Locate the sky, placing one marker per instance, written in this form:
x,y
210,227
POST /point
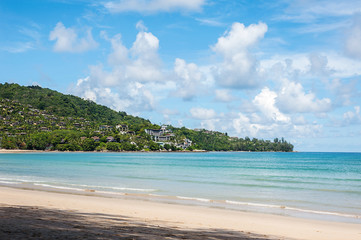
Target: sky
x,y
262,69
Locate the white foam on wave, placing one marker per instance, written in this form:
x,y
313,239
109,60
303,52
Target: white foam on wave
x,y
194,199
19,180
253,204
7,182
293,209
116,188
58,187
112,193
132,189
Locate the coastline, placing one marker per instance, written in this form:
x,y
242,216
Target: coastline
x,y
174,217
19,151
56,151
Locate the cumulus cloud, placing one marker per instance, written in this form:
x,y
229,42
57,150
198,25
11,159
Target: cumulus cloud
x,y
202,113
152,6
145,63
188,79
352,117
129,83
88,89
319,64
293,99
239,66
211,124
265,102
132,96
139,63
67,40
119,55
243,125
353,39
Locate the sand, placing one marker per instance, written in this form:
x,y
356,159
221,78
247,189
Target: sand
x,y
17,151
47,215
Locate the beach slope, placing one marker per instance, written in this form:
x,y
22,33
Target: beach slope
x,y
47,215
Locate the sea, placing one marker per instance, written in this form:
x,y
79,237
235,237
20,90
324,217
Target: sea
x,y
324,186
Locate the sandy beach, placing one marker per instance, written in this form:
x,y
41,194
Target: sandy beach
x,y
48,215
17,151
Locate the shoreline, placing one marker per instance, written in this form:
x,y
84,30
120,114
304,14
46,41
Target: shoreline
x,y
194,151
182,216
134,194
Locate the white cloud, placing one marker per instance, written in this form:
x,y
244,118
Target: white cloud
x,y
352,117
188,79
319,64
133,82
210,124
210,22
168,114
139,63
239,66
322,27
102,95
119,55
337,66
353,39
265,102
243,125
145,64
310,11
140,26
223,95
151,6
293,99
346,92
67,40
202,113
31,39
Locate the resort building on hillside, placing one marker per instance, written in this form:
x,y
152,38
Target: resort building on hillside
x,y
162,134
123,129
187,143
105,127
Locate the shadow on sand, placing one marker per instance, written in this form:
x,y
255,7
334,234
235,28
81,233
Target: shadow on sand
x,y
41,223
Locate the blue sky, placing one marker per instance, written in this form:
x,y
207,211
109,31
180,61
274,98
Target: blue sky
x,y
261,69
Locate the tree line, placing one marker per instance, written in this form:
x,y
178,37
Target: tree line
x,y
42,119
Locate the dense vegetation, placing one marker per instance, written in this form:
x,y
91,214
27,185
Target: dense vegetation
x,y
39,118
217,141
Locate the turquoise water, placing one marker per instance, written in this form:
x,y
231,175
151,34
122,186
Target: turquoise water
x,y
316,185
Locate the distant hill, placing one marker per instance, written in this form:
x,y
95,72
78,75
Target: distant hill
x,y
69,106
40,118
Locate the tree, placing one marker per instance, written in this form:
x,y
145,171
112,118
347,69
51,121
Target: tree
x,y
113,146
89,144
153,146
167,146
39,141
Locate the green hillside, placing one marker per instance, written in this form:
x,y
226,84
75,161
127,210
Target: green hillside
x,y
39,118
66,105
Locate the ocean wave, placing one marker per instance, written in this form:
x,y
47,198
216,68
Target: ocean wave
x,y
7,182
58,187
293,209
116,188
194,199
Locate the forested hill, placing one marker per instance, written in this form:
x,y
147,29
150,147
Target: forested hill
x,y
68,105
39,118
